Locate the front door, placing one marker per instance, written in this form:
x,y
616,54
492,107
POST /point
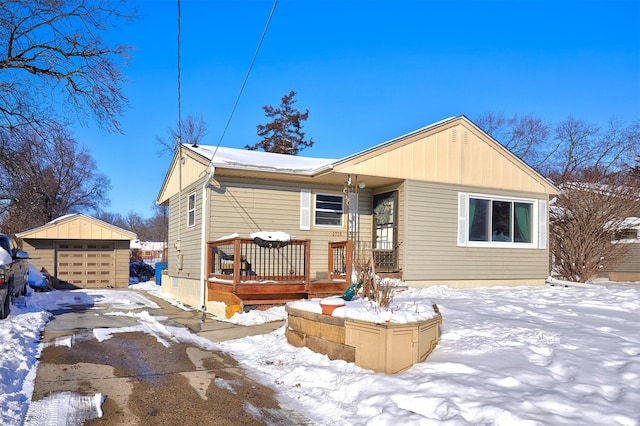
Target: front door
x,y
385,233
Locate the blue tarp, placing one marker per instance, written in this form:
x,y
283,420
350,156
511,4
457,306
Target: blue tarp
x,y
36,278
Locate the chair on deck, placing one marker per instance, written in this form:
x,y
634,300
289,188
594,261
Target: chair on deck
x,y
226,263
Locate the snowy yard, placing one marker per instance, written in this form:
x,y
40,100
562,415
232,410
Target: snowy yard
x,y
524,355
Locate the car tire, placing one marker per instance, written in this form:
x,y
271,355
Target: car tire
x,y
12,295
6,307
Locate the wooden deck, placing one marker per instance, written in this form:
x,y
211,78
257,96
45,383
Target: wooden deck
x,y
273,294
273,273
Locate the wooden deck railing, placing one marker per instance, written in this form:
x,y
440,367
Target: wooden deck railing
x,y
241,260
340,260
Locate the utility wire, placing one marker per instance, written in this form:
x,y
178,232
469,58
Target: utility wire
x,y
179,89
246,77
179,143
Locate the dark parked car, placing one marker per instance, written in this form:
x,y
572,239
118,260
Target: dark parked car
x,y
14,272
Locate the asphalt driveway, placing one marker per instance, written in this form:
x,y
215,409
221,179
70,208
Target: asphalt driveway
x,y
146,382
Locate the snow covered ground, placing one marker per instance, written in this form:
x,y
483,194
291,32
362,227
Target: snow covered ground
x,y
524,355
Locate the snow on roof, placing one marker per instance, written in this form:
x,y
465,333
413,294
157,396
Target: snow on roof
x,y
235,158
147,245
630,222
243,159
63,217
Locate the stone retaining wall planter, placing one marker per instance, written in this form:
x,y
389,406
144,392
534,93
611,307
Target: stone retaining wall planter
x,y
388,348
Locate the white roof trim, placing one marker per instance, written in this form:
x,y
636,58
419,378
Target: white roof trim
x,y
242,159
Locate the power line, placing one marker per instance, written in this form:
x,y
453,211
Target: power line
x,y
179,145
179,91
246,77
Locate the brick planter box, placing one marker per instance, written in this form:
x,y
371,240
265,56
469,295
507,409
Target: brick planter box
x,y
387,348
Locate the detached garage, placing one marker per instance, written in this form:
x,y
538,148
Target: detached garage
x,y
81,250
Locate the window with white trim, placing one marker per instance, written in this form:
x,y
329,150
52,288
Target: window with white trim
x,y
485,220
626,235
191,209
329,209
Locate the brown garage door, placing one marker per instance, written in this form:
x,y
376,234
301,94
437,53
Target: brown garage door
x,y
86,264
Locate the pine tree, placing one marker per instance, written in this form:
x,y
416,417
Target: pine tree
x,y
284,134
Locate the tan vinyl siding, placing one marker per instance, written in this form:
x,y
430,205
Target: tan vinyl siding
x,y
172,235
190,236
631,263
430,241
122,258
457,153
182,175
244,207
42,254
628,268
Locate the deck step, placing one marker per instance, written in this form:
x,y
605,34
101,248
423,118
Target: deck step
x,y
272,294
323,294
322,286
260,299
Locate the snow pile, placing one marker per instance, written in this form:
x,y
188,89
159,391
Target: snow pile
x,y
255,317
36,278
65,409
19,352
524,355
271,236
404,309
5,257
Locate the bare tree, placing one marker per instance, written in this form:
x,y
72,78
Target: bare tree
x,y
591,166
525,135
46,179
55,60
494,124
151,229
136,223
574,149
284,134
157,225
112,218
586,220
560,152
190,132
622,143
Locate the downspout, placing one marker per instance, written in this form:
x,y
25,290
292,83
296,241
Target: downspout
x,y
203,242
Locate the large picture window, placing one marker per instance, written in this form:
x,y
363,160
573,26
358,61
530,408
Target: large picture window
x,y
191,209
489,220
329,209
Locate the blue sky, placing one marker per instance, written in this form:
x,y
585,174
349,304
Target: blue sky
x,y
367,70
